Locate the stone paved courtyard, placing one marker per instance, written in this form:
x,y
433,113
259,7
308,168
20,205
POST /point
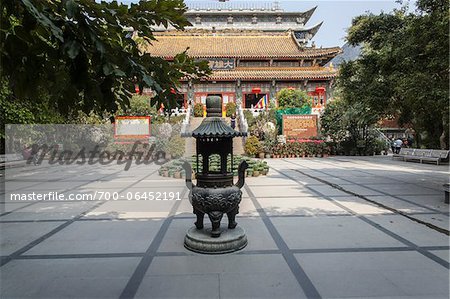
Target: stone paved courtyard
x,y
320,227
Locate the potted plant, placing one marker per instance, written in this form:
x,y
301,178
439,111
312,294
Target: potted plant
x,y
269,146
252,146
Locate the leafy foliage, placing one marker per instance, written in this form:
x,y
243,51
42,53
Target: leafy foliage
x,y
404,68
82,55
331,122
293,98
198,110
350,124
17,112
230,109
139,106
252,146
176,146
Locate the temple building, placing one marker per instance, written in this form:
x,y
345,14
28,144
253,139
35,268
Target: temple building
x,y
253,53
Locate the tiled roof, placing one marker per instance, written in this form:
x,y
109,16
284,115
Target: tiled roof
x,y
273,73
257,46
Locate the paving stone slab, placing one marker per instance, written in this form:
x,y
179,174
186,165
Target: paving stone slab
x,y
132,209
432,201
375,274
14,236
401,205
305,206
260,285
331,232
269,180
395,188
50,211
83,237
443,254
9,206
361,206
180,286
262,191
218,264
67,278
328,191
360,190
414,232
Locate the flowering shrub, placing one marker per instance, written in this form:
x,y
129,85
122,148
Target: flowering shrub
x,y
301,148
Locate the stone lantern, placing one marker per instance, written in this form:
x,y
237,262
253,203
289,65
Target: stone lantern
x,y
215,194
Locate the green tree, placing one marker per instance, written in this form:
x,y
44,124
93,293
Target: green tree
x,y
85,55
293,98
351,124
331,123
404,68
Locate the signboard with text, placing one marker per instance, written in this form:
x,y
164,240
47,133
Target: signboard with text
x,y
221,63
301,126
132,127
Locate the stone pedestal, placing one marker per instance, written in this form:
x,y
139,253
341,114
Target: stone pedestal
x,y
200,241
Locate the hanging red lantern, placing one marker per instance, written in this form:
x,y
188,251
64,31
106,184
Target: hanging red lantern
x,y
256,90
172,90
136,88
320,89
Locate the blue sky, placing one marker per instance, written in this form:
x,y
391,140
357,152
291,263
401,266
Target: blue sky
x,y
337,15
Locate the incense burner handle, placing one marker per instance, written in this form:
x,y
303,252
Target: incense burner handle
x,y
241,174
188,169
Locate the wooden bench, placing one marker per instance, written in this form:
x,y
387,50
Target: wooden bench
x,y
446,192
415,154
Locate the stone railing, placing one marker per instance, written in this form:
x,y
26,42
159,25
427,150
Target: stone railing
x,y
179,111
243,125
186,120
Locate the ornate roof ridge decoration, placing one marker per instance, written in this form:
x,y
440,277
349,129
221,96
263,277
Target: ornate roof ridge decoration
x,y
227,32
215,127
306,14
204,32
306,34
280,68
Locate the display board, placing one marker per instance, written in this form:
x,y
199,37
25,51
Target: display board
x,y
132,127
299,125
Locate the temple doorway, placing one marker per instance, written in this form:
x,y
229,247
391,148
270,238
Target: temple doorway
x,y
252,100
